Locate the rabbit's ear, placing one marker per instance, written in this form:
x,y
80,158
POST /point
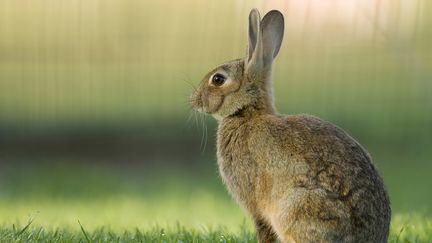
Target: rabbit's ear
x,y
254,33
272,34
265,38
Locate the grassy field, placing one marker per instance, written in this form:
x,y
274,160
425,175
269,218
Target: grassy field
x,y
404,229
63,202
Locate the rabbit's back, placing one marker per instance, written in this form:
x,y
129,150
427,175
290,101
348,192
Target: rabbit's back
x,y
315,164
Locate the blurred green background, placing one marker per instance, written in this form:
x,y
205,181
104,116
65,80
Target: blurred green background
x,y
94,117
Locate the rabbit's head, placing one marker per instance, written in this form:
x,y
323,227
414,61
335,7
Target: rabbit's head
x,y
244,85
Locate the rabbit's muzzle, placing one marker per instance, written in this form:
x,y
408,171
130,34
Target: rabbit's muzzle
x,y
195,101
205,101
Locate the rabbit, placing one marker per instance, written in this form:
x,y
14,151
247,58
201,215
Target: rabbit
x,y
300,178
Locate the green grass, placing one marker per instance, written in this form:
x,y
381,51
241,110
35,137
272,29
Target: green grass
x,y
155,234
51,202
57,195
404,228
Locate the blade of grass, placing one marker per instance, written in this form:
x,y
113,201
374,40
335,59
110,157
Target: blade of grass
x,y
84,232
25,228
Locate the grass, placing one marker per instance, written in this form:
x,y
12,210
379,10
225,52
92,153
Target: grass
x,y
404,228
60,195
155,234
52,202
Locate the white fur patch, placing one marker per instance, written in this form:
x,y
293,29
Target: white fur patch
x,y
217,116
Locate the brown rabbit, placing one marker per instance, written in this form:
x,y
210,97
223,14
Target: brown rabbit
x,y
300,178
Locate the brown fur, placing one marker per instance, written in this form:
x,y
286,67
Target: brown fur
x,y
301,179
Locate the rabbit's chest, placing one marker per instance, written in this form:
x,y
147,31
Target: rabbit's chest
x,y
237,168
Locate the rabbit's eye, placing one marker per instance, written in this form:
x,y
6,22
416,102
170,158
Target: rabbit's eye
x,y
218,79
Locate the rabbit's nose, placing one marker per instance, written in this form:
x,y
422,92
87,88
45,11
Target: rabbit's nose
x,y
196,101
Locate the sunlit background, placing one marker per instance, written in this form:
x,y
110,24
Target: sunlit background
x,y
94,117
